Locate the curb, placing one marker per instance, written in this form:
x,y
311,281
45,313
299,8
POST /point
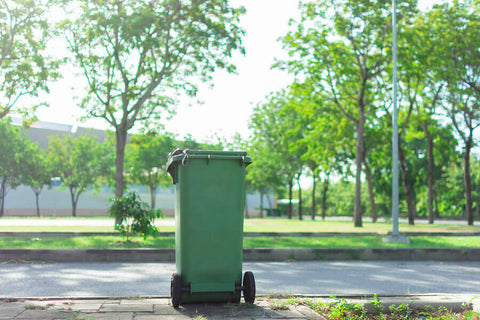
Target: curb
x,y
273,255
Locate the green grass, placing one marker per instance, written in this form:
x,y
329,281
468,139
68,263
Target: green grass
x,y
251,225
47,228
295,225
255,225
110,242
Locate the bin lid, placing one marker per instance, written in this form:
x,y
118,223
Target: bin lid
x,y
179,155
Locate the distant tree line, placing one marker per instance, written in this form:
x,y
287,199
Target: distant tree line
x,y
82,162
335,119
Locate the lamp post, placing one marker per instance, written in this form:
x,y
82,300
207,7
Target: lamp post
x,y
395,235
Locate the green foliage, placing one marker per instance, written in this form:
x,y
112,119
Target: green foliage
x,y
36,170
277,127
80,162
15,148
146,158
342,309
132,216
377,303
25,68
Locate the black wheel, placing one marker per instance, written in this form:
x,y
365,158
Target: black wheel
x,y
249,287
176,290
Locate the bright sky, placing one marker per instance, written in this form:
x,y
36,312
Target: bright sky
x,y
227,107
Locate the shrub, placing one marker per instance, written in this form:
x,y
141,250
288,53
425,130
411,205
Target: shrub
x,y
132,216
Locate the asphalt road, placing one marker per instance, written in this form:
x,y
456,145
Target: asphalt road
x,y
324,278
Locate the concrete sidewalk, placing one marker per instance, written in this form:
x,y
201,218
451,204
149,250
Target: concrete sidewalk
x,y
265,307
263,254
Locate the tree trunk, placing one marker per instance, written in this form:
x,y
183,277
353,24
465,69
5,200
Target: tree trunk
x,y
467,181
435,199
290,207
300,213
121,138
371,194
431,170
324,195
37,203
313,212
412,210
3,191
74,202
153,191
357,213
261,204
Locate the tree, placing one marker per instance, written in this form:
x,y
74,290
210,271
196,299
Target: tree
x,y
79,162
456,27
135,55
326,135
277,125
12,144
24,66
36,172
148,156
344,55
262,175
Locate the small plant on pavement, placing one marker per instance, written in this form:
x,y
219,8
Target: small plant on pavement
x,y
132,216
377,304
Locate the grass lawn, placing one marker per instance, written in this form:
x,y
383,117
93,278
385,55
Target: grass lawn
x,y
250,225
110,242
295,225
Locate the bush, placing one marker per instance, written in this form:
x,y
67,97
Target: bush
x,y
132,216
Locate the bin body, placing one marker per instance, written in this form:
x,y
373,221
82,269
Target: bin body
x,y
209,206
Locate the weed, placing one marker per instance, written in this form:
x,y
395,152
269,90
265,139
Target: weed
x,y
341,309
377,304
77,316
402,309
279,296
31,306
279,306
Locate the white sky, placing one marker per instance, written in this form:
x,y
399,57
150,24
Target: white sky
x,y
227,107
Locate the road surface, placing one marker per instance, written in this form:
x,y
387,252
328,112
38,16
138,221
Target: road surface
x,y
324,278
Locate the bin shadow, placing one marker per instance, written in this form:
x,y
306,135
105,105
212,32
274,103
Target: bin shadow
x,y
227,311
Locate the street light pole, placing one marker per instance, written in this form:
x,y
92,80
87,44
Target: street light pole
x,y
395,196
395,236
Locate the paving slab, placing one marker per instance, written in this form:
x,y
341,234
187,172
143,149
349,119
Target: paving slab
x,y
265,307
43,315
118,307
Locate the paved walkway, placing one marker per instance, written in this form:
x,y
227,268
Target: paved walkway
x,y
145,308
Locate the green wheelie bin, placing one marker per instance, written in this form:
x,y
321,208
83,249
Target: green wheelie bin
x,y
209,206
